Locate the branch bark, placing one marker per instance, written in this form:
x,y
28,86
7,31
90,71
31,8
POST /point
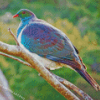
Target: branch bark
x,y
61,80
18,51
73,87
14,58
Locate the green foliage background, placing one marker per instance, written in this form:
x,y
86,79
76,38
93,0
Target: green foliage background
x,y
79,20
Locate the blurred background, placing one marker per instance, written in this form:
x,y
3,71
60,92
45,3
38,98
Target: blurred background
x,y
78,19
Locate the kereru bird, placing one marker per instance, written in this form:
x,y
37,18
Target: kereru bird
x,y
49,44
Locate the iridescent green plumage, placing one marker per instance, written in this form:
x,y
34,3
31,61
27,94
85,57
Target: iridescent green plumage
x,y
25,14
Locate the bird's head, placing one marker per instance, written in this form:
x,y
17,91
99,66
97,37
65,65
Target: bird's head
x,y
24,14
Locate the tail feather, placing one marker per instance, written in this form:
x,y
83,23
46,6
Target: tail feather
x,y
89,79
81,69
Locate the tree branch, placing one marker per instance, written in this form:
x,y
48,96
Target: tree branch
x,y
15,51
13,36
14,58
73,87
61,80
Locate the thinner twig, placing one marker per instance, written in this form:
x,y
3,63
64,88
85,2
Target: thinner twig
x,y
14,58
13,36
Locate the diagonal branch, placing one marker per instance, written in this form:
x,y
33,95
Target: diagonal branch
x,y
61,80
73,87
15,51
14,58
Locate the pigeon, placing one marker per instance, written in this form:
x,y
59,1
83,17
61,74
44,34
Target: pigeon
x,y
49,45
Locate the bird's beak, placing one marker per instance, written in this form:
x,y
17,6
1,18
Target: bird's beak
x,y
16,15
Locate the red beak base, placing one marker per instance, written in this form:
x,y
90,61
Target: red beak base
x,y
16,15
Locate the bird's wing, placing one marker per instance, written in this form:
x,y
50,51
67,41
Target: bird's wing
x,y
47,41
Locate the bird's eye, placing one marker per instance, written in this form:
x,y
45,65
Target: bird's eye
x,y
23,12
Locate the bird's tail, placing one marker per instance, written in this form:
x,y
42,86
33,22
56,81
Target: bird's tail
x,y
81,69
89,79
